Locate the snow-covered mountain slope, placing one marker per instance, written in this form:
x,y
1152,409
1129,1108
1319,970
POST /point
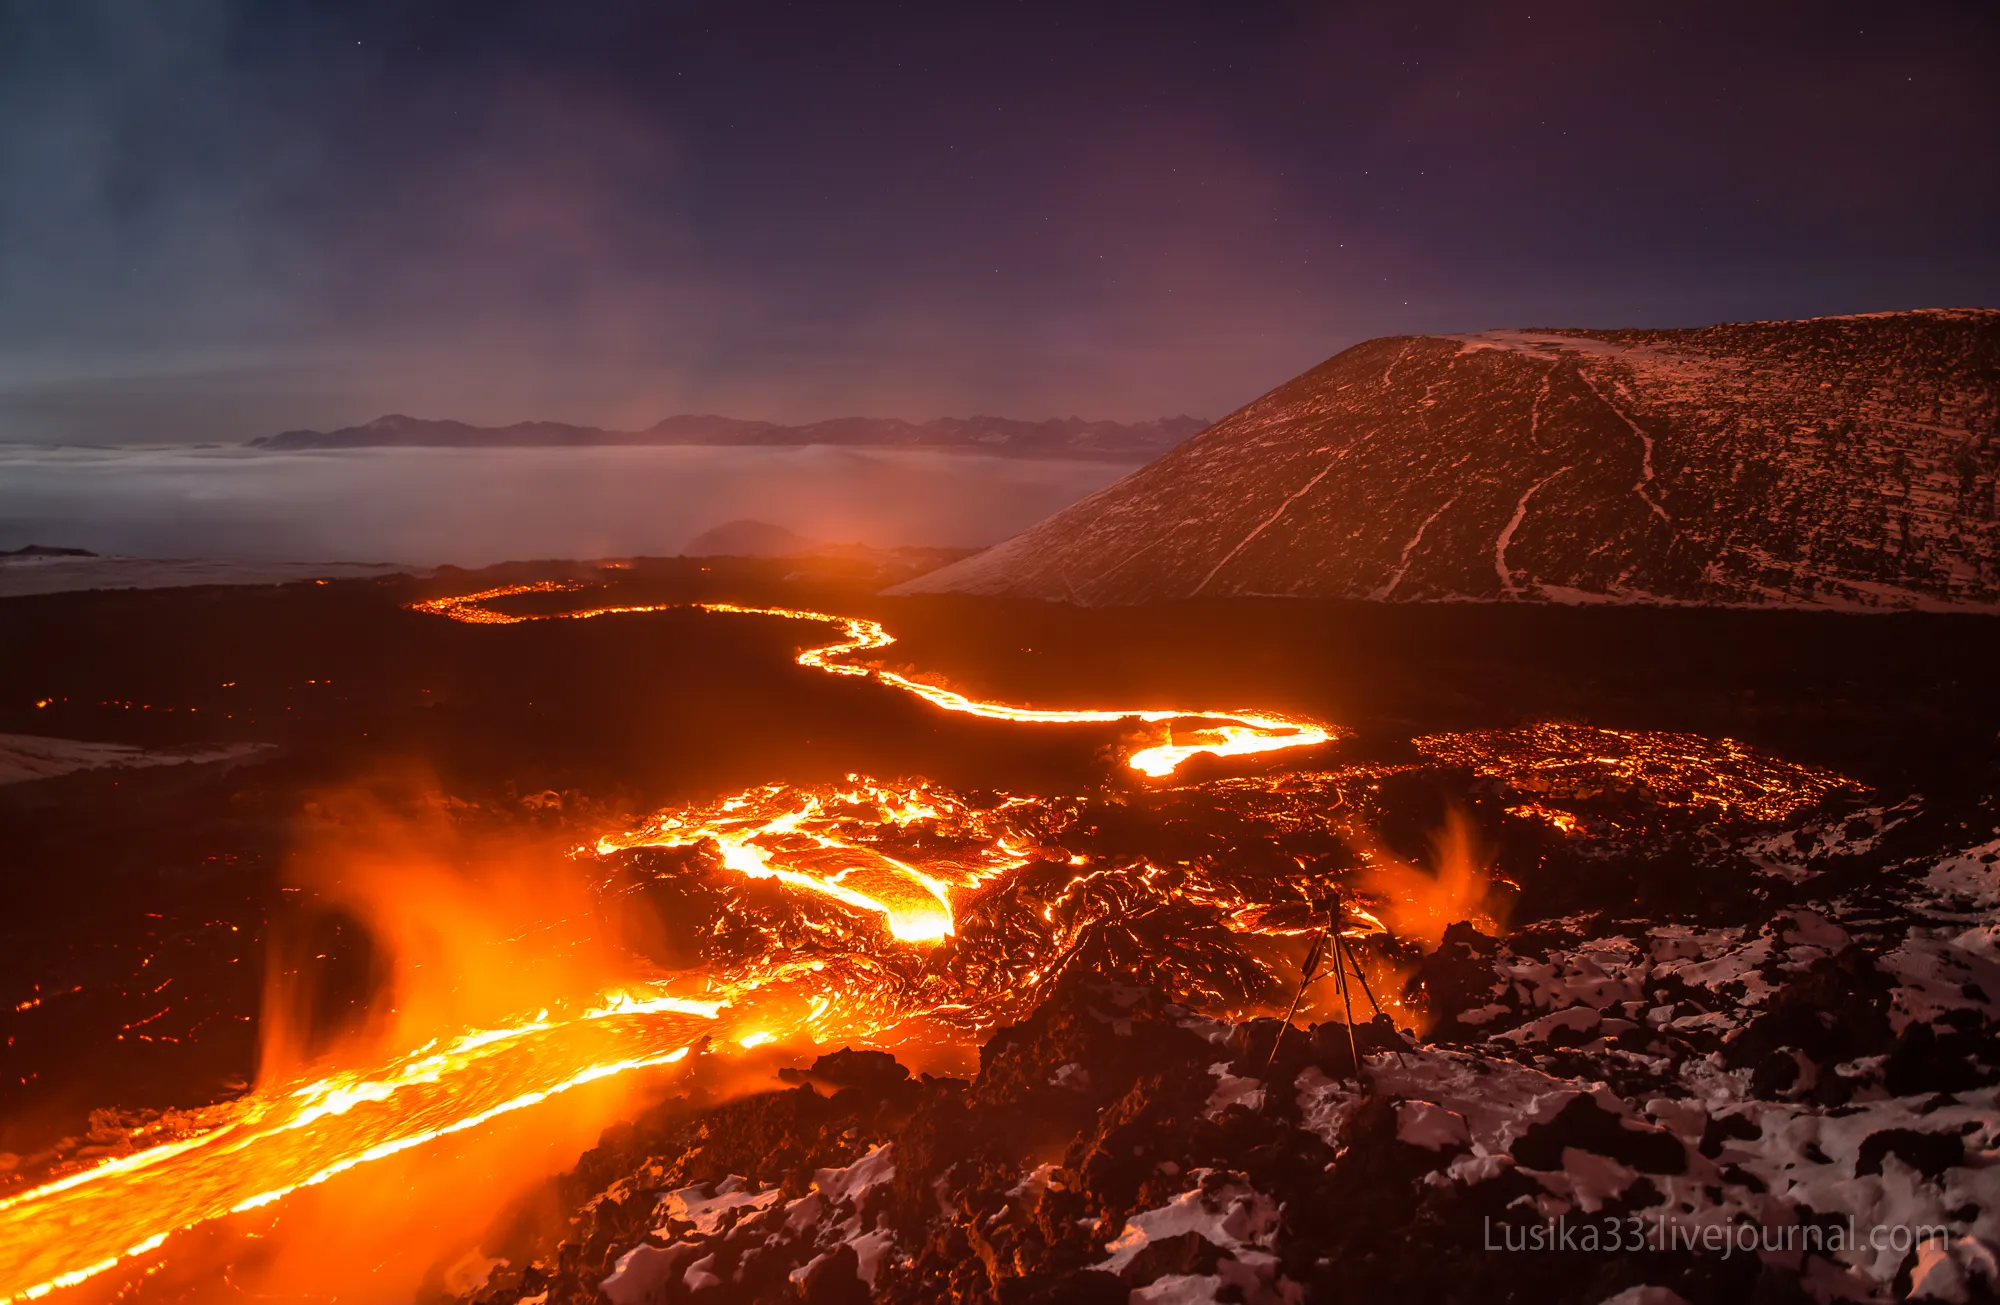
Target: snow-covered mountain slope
x,y
1835,462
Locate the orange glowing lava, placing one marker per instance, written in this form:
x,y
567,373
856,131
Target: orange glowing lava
x,y
1215,733
798,838
1563,821
1559,759
277,1140
284,1137
892,923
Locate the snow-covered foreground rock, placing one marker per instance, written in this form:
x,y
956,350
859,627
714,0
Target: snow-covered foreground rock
x,y
1797,1105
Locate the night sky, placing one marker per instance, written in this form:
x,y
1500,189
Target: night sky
x,y
219,219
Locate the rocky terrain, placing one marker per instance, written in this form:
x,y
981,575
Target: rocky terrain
x,y
1710,1063
1056,437
1732,967
1843,462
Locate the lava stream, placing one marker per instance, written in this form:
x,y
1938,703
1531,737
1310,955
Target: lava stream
x,y
802,838
1217,733
901,864
276,1141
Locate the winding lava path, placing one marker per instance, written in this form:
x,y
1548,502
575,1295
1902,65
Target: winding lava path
x,y
1219,733
283,1137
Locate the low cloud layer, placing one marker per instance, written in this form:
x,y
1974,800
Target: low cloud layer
x,y
473,507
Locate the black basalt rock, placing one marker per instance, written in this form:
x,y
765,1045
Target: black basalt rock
x,y
1587,1126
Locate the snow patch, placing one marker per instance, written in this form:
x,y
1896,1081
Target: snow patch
x,y
1229,1214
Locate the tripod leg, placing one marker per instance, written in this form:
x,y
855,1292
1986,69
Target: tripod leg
x,y
1305,981
1366,991
1340,972
1355,961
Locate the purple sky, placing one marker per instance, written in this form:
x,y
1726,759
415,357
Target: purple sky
x,y
228,217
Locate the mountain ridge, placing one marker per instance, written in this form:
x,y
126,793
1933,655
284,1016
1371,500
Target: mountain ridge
x,y
1829,462
1051,437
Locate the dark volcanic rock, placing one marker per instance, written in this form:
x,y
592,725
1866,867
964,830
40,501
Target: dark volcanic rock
x,y
1457,976
1798,1064
1842,461
850,1068
1833,1012
835,1280
1930,1154
1587,1126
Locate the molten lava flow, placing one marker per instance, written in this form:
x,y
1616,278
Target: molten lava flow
x,y
874,911
1675,770
275,1141
1216,733
284,1137
805,839
1564,822
1024,903
1222,734
475,609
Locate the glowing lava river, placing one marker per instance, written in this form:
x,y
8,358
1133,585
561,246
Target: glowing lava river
x,y
870,911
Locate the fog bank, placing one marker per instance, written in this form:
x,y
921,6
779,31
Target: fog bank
x,y
472,507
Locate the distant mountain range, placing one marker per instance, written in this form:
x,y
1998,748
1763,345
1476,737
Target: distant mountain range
x,y
1060,437
1837,462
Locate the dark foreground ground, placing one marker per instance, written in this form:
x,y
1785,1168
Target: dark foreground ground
x,y
1740,1023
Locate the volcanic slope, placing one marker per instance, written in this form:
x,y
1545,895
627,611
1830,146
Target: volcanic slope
x,y
1834,462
